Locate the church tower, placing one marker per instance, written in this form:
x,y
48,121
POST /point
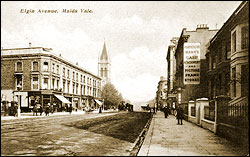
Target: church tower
x,y
104,66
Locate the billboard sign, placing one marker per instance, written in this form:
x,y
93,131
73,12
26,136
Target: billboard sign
x,y
191,66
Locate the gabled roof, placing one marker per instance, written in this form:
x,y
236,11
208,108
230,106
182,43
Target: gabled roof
x,y
104,54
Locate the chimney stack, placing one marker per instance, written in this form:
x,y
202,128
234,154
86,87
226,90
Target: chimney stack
x,y
29,45
76,63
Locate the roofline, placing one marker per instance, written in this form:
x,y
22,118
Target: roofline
x,y
229,19
54,56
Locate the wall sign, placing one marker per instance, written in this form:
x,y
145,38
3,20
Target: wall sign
x,y
191,68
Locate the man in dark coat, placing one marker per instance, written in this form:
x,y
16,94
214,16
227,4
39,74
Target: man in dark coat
x,y
35,110
166,111
70,108
180,114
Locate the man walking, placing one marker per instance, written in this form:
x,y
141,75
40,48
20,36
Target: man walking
x,y
180,115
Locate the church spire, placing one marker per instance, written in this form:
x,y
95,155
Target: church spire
x,y
104,54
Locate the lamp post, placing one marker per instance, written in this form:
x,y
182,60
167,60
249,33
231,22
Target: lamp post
x,y
19,101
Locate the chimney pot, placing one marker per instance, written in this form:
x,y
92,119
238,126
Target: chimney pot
x,y
29,45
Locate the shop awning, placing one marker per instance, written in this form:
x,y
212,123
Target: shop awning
x,y
63,99
98,102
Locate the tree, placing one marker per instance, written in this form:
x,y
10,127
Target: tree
x,y
111,96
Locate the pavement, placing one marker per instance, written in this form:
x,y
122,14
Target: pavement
x,y
166,138
30,114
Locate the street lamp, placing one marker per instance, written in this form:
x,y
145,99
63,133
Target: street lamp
x,y
19,87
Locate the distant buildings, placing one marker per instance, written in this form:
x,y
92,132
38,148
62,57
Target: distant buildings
x,y
104,66
209,76
41,77
161,93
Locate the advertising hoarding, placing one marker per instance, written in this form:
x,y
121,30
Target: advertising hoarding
x,y
191,68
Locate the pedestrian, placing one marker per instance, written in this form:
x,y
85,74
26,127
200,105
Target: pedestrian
x,y
15,110
35,110
47,109
180,114
41,110
70,108
166,111
51,109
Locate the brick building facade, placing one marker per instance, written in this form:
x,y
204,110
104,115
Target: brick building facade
x,y
42,77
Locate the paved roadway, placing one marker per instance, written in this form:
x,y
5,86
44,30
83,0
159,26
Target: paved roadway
x,y
166,138
49,136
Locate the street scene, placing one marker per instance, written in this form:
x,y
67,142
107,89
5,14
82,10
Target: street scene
x,y
124,78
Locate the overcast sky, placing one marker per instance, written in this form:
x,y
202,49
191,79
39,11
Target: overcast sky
x,y
136,33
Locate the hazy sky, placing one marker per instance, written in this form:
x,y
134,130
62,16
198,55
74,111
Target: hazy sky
x,y
136,33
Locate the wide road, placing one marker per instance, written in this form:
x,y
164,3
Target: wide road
x,y
58,136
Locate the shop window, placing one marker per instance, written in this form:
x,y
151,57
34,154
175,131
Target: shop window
x,y
19,66
35,66
244,37
35,82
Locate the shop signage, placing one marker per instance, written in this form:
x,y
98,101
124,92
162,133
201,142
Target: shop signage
x,y
191,60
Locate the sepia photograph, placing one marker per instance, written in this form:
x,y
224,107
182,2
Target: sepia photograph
x,y
124,78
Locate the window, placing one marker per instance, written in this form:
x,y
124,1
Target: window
x,y
101,72
83,90
73,75
35,82
234,81
68,86
244,37
76,76
19,66
57,84
53,83
244,80
77,88
81,79
53,67
68,73
35,66
84,79
63,72
57,69
19,82
105,72
234,42
45,66
73,88
64,90
45,83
